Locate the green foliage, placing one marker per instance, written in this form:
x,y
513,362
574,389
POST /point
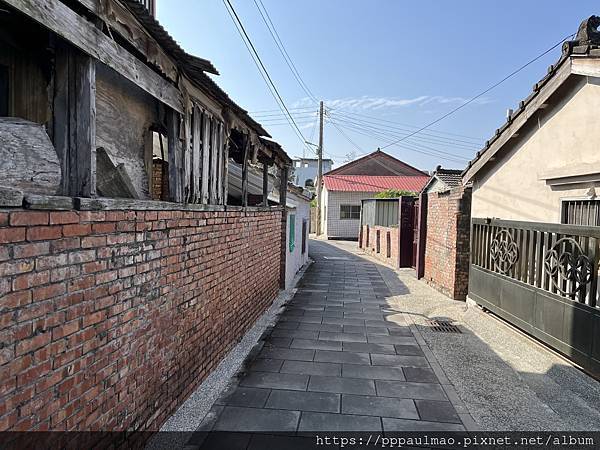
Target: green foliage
x,y
313,203
395,193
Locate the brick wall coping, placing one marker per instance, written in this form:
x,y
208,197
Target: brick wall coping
x,y
47,202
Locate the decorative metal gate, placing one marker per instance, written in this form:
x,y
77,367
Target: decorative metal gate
x,y
543,278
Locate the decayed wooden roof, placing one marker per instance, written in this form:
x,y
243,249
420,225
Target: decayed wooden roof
x,y
572,61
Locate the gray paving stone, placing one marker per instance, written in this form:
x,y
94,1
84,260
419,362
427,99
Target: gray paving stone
x,y
304,401
302,334
266,365
275,381
316,344
372,372
341,385
357,329
301,319
321,327
368,348
287,325
287,353
401,331
408,350
278,342
336,321
243,396
399,360
342,357
377,330
342,337
369,405
338,422
420,375
435,411
390,425
391,339
235,418
363,316
407,389
312,368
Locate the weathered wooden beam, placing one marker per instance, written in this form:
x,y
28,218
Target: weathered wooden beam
x,y
65,22
205,157
83,144
28,161
225,166
122,22
175,175
214,162
196,154
220,178
265,185
245,171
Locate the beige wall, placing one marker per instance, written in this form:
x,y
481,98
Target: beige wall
x,y
562,139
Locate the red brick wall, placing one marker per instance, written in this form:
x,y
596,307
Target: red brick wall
x,y
447,242
370,247
109,320
160,179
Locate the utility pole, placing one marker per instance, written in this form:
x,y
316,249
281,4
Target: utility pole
x,y
320,168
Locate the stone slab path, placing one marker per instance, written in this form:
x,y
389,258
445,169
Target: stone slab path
x,y
339,359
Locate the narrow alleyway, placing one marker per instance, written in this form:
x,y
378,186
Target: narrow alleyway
x,y
337,360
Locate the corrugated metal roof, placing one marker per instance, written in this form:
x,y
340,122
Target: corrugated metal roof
x,y
369,183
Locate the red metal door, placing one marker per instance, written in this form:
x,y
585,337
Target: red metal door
x,y
415,246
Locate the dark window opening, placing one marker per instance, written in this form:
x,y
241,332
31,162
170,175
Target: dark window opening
x,y
378,242
3,91
388,245
581,212
304,230
350,212
309,183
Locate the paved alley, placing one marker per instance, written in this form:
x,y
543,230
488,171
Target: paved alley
x,y
337,360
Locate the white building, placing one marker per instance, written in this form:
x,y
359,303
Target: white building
x,y
305,170
298,222
346,186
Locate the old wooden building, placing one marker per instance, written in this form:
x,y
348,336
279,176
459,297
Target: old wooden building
x,y
128,267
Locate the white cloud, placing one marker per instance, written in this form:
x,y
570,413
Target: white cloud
x,y
375,103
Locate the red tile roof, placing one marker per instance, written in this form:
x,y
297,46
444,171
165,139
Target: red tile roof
x,y
369,183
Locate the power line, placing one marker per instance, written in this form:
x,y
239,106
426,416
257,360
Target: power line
x,y
288,60
255,57
261,111
407,146
403,127
472,99
397,134
390,137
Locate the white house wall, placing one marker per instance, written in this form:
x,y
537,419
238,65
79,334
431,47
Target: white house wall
x,y
296,259
334,227
561,139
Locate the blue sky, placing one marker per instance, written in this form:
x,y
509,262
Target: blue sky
x,y
383,67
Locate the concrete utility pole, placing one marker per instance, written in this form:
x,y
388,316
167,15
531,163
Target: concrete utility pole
x,y
320,168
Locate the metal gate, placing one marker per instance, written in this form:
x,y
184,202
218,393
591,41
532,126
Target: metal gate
x,y
543,278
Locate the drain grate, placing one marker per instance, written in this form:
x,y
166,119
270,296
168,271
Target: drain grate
x,y
443,326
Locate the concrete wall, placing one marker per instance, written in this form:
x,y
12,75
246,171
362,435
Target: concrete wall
x,y
295,259
111,319
560,139
333,226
